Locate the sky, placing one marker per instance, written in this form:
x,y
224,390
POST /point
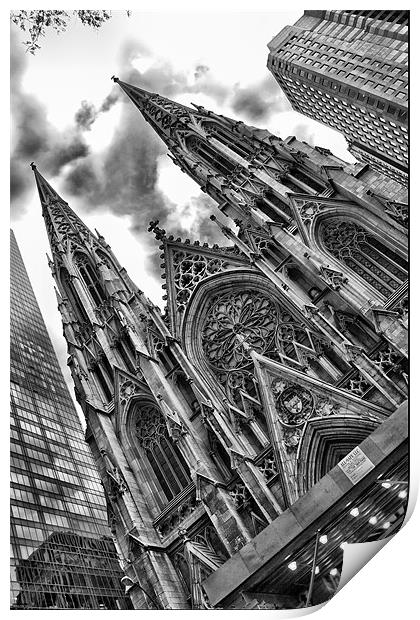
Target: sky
x,y
97,151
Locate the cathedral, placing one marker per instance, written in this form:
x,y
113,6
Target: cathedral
x,y
259,423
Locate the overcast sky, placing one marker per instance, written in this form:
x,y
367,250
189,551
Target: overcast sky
x,y
97,151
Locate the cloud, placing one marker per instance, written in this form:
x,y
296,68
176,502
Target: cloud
x,y
123,179
200,70
304,133
109,102
258,101
33,136
86,115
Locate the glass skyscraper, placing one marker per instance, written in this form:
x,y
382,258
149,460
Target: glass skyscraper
x,y
62,554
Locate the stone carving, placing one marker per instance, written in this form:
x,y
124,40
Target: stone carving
x,y
238,543
150,426
357,385
268,467
190,269
172,520
238,381
333,278
308,210
386,359
234,318
325,407
364,254
294,403
240,495
128,389
291,438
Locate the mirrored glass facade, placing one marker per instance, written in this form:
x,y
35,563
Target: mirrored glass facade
x,y
62,555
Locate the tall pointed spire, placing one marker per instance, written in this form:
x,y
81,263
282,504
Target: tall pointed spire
x,y
235,164
44,188
63,225
163,114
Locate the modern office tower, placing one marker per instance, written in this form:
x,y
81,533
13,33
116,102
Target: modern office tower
x,y
268,401
348,70
62,552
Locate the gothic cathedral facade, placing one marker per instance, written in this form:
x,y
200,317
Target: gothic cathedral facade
x,y
277,353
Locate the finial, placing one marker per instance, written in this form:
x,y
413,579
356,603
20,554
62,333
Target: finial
x,y
99,236
159,232
115,79
225,229
33,166
199,108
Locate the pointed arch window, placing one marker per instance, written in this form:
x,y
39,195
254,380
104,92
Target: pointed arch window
x,y
211,156
90,278
163,456
364,254
238,144
102,381
72,296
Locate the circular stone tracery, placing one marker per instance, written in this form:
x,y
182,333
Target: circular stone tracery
x,y
234,319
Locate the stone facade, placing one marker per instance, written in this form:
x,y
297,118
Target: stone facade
x,y
277,354
349,70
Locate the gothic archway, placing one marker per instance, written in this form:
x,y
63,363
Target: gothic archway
x,y
90,278
364,254
158,453
235,313
72,296
325,441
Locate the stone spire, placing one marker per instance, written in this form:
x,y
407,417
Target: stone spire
x,y
235,164
63,225
164,115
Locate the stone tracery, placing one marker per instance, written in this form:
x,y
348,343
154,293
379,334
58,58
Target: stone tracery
x,y
364,254
190,269
235,318
237,322
165,459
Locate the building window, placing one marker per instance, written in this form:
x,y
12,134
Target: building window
x,y
364,254
69,290
90,278
162,454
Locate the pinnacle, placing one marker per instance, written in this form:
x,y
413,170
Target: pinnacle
x,y
160,233
44,188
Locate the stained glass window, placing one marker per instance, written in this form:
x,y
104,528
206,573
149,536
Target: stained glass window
x,y
164,457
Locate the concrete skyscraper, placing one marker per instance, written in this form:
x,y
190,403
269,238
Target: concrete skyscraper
x,y
348,70
62,552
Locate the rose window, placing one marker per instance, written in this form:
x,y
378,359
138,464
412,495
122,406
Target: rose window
x,y
235,320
